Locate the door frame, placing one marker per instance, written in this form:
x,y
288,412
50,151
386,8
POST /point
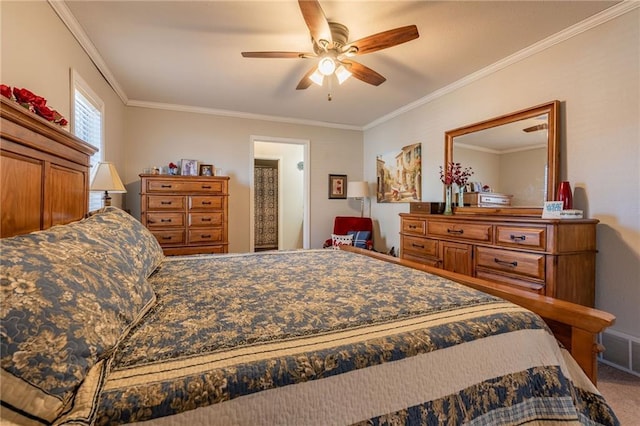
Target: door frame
x,y
305,143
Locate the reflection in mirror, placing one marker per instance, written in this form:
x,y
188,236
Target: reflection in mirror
x,y
514,158
510,159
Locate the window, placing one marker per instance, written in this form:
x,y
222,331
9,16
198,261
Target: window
x,y
88,113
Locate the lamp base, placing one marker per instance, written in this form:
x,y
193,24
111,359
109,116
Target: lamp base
x,y
106,198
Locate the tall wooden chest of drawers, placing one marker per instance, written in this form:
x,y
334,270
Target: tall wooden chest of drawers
x,y
552,257
187,214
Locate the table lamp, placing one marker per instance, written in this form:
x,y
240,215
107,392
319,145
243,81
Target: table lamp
x,y
104,177
358,190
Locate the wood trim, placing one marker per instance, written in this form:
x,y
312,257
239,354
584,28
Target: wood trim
x,y
580,323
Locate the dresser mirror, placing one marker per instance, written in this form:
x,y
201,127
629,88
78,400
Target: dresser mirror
x,y
514,158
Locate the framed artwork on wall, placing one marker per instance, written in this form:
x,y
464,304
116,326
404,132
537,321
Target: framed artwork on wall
x,y
399,175
337,187
189,168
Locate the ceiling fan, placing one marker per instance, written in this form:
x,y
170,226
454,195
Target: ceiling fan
x,y
332,48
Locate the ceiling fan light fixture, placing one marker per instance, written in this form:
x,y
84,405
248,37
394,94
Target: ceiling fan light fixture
x,y
342,74
317,77
326,66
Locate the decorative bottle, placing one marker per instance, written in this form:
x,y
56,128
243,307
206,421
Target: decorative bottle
x,y
565,195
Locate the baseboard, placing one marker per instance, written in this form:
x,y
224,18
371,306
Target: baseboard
x,y
622,351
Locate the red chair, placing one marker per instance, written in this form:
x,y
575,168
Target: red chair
x,y
345,224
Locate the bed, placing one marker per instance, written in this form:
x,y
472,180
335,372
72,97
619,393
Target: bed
x,y
97,326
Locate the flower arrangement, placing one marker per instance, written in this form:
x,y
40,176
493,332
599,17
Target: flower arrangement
x,y
34,103
173,169
455,174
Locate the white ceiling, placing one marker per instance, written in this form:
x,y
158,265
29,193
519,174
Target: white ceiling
x,y
179,54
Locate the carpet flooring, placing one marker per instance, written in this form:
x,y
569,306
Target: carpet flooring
x,y
622,392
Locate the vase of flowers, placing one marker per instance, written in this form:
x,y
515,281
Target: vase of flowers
x,y
454,173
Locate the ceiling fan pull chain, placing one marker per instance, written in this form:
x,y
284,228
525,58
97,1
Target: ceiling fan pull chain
x,y
329,85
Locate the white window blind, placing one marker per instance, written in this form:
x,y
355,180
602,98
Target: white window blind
x,y
88,127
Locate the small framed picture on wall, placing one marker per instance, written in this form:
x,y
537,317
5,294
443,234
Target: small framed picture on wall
x,y
206,169
337,186
189,168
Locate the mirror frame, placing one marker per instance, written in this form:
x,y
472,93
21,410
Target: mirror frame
x,y
553,155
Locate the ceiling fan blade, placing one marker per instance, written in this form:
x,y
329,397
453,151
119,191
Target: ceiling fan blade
x,y
316,20
364,73
384,40
306,81
535,128
276,54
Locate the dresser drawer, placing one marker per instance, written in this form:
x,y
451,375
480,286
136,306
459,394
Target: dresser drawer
x,y
169,185
529,285
466,231
414,226
205,236
165,202
516,236
206,219
420,246
524,264
164,219
205,202
169,237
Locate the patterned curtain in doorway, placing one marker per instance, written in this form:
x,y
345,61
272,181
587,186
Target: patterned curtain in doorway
x,y
266,204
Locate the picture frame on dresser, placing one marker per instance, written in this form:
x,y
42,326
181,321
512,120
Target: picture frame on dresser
x,y
189,167
206,170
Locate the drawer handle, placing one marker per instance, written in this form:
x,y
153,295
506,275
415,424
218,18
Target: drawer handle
x,y
165,186
205,219
206,186
455,231
413,226
165,220
206,203
504,262
205,236
417,245
165,237
518,238
165,203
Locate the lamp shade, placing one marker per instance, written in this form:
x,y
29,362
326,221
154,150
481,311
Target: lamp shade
x,y
357,189
104,177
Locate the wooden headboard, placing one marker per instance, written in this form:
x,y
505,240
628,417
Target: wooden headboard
x,y
44,172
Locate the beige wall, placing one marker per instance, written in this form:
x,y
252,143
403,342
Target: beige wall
x,y
596,77
38,52
156,137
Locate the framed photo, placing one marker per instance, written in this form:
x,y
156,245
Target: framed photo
x,y
206,169
189,168
337,186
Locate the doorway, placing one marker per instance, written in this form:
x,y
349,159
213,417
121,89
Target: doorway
x,y
279,196
266,204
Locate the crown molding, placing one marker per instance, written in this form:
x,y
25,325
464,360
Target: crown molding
x,y
76,30
606,15
236,114
572,31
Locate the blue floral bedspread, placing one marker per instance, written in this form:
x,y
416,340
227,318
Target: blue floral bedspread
x,y
229,326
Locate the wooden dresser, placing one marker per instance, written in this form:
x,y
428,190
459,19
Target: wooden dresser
x,y
44,172
187,214
551,257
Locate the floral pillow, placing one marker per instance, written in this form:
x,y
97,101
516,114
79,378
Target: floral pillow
x,y
69,295
338,240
